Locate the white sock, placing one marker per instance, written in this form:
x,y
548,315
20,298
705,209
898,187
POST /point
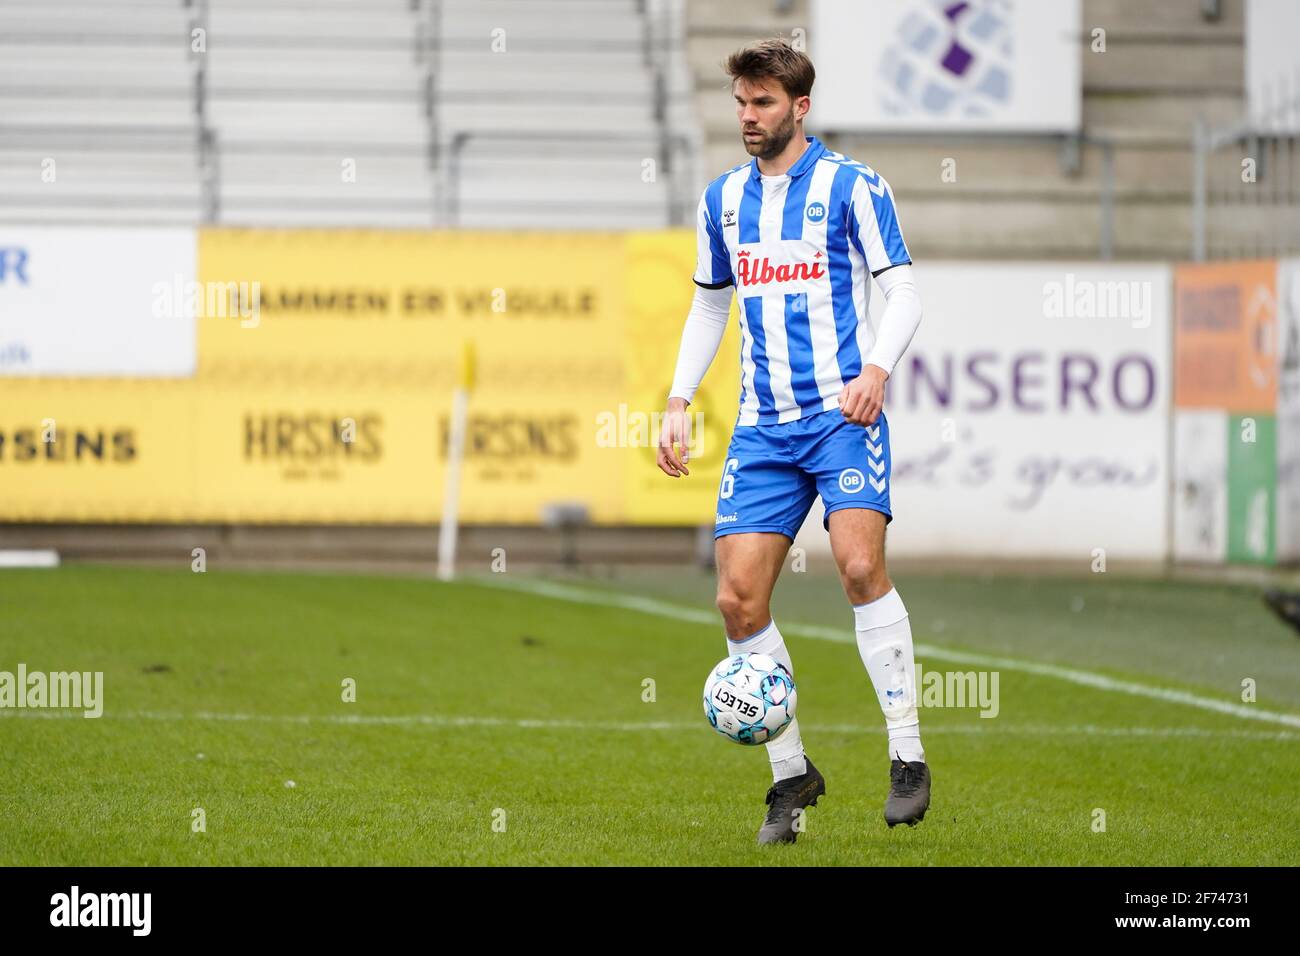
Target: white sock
x,y
885,645
786,752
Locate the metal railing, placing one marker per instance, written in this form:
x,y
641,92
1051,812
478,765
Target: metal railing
x,y
209,159
1246,182
428,53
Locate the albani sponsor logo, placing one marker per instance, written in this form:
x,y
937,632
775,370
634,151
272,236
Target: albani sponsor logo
x,y
752,271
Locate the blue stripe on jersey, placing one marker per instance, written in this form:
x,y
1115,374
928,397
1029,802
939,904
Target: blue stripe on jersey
x,y
762,375
746,380
840,271
855,228
798,337
796,200
751,206
721,264
890,234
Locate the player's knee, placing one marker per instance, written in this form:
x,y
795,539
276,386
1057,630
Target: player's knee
x,y
741,611
862,576
730,602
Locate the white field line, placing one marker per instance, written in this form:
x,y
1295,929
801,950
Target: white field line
x,y
564,592
640,726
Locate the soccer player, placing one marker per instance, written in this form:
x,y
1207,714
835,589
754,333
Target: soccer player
x,y
799,232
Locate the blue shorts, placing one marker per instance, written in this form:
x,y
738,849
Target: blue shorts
x,y
773,472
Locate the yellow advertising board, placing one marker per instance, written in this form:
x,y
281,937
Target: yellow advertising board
x,y
303,451
326,366
384,299
97,449
660,266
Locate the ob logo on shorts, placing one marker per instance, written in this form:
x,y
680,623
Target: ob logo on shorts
x,y
851,481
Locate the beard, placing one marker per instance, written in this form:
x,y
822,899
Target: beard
x,y
770,144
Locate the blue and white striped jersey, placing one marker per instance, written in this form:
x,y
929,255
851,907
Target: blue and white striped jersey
x,y
800,249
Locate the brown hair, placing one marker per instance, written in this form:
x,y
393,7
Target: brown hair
x,y
774,59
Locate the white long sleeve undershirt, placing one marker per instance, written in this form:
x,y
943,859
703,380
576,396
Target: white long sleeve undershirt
x,y
707,321
899,321
701,336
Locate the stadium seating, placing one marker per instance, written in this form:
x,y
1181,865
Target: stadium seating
x,y
97,113
539,143
484,113
372,113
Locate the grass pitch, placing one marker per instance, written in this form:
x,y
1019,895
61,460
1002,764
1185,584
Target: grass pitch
x,y
494,725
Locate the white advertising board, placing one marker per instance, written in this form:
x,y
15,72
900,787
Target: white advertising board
x,y
1030,416
86,301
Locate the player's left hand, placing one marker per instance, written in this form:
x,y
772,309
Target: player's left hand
x,y
864,397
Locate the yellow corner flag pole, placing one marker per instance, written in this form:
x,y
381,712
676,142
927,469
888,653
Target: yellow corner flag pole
x,y
455,456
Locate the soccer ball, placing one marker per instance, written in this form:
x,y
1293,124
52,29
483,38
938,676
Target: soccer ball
x,y
750,698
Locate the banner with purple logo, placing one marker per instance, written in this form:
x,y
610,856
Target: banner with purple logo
x,y
946,64
1030,416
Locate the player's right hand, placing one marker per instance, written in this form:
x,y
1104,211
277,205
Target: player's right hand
x,y
675,432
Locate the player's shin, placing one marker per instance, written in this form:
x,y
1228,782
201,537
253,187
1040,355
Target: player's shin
x,y
885,644
786,751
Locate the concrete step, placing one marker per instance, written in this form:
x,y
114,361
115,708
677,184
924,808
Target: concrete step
x,y
515,83
626,191
227,24
362,192
556,10
400,80
319,168
615,118
1166,117
538,29
97,21
1253,232
570,217
123,163
1136,65
1032,167
118,5
69,59
315,119
308,6
314,215
106,212
66,190
88,76
1007,228
588,61
55,111
725,18
1176,20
